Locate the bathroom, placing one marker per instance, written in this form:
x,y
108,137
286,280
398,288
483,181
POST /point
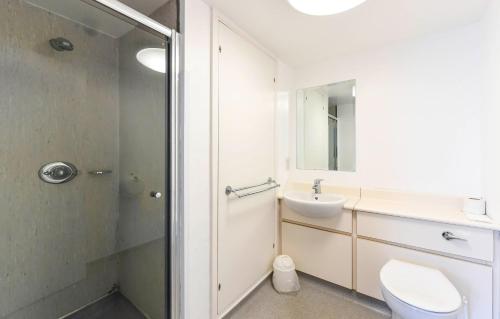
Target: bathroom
x,y
209,159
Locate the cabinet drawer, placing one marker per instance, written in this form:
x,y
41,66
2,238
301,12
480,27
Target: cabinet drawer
x,y
478,243
474,281
341,222
319,253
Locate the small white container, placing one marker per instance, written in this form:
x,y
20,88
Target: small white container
x,y
285,279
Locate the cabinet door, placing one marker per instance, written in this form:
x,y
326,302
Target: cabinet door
x,y
319,253
474,281
246,226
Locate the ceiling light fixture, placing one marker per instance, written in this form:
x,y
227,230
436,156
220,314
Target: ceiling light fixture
x,y
324,7
153,58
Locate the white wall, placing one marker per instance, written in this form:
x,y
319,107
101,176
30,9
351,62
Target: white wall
x,y
491,109
197,36
417,114
284,96
491,127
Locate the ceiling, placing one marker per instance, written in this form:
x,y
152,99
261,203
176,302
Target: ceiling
x,y
299,39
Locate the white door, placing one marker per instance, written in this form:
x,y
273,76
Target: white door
x,y
246,226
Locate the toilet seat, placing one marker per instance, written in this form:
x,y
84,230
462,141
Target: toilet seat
x,y
421,287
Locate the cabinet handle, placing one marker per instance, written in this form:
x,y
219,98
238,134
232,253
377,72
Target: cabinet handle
x,y
450,236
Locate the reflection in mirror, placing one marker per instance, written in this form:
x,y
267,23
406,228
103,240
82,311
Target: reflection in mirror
x,y
326,127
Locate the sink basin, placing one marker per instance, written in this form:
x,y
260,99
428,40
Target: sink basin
x,y
315,205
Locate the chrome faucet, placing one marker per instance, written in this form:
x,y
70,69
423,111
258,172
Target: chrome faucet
x,y
317,186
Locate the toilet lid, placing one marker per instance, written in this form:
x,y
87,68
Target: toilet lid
x,y
422,287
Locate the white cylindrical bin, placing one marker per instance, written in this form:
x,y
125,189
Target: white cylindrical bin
x,y
285,279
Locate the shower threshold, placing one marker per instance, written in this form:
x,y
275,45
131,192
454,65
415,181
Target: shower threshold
x,y
114,306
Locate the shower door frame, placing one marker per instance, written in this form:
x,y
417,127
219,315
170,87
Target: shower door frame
x,y
174,261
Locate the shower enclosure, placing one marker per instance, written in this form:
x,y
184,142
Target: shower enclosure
x,y
89,217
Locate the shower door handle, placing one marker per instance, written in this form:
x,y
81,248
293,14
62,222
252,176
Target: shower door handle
x,y
156,195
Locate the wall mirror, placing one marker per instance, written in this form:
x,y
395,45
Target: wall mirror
x,y
326,127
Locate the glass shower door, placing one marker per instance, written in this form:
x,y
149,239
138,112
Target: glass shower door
x,y
83,128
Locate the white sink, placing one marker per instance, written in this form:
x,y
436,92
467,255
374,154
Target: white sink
x,y
315,205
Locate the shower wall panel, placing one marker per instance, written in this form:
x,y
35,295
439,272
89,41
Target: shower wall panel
x,y
142,270
54,106
100,276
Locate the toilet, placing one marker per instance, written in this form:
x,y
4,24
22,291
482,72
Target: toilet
x,y
417,292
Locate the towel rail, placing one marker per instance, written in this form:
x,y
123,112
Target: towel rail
x,y
231,190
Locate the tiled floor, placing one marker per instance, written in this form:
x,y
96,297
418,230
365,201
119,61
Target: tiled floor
x,y
113,307
317,299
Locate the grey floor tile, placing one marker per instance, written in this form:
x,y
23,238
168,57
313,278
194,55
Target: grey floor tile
x,y
317,299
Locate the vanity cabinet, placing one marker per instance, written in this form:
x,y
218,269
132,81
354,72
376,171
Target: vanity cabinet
x,y
466,263
319,247
320,253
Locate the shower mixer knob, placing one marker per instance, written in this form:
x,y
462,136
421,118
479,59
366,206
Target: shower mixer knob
x,y
57,172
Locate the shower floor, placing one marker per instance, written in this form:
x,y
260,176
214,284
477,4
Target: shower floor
x,y
115,306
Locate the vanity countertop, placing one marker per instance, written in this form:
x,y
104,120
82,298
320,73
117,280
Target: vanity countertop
x,y
422,212
442,209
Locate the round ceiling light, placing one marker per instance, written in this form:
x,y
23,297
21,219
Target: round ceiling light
x,y
153,58
324,7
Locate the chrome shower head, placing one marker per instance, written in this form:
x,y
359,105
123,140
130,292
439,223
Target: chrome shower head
x,y
61,44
